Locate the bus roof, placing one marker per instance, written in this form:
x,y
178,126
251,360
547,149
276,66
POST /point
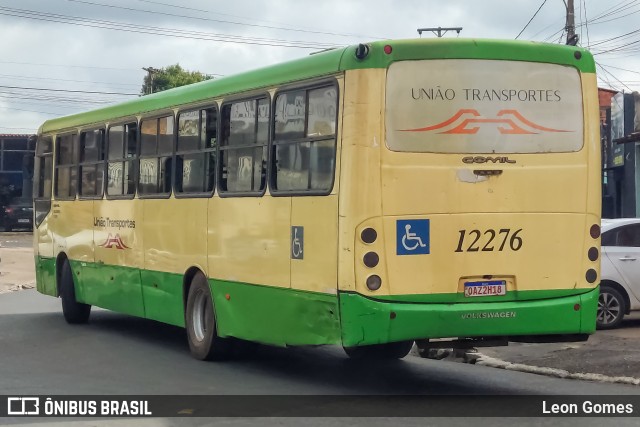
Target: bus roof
x,y
330,62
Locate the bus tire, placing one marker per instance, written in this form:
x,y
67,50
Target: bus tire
x,y
202,333
397,350
388,351
74,312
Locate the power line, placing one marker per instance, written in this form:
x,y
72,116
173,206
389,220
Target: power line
x,y
6,127
622,69
68,90
614,77
162,31
16,77
181,7
534,15
68,66
200,18
29,111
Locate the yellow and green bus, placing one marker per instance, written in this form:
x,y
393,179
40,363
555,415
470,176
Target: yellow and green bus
x,y
370,196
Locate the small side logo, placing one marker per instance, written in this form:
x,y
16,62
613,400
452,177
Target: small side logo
x,y
114,242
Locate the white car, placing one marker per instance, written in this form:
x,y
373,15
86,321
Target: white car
x,y
620,271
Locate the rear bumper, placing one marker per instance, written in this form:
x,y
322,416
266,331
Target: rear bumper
x,y
367,321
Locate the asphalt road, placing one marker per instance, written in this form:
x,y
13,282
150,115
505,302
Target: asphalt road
x,y
16,239
117,354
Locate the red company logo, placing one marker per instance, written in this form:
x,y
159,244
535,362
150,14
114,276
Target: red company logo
x,y
463,122
114,241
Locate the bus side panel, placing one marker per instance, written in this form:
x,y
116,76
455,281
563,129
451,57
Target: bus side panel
x,y
175,239
249,240
360,178
45,261
275,316
72,225
316,269
592,143
118,254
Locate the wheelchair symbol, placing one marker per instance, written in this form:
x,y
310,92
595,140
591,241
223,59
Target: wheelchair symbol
x,y
411,237
297,242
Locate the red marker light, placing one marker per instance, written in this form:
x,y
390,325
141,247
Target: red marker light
x,y
388,49
576,307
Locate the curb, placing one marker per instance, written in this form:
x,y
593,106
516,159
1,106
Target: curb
x,y
481,359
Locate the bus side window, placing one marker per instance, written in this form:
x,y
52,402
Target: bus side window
x,y
121,157
243,149
66,167
156,152
304,140
91,163
195,151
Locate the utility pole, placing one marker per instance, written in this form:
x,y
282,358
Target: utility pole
x,y
151,72
439,30
572,37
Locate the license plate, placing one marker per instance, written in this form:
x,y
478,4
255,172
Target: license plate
x,y
485,288
24,220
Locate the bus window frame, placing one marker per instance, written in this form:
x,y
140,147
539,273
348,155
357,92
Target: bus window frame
x,y
156,116
307,87
102,191
39,201
252,96
123,123
187,109
74,163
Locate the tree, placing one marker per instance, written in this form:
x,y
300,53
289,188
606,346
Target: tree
x,y
169,77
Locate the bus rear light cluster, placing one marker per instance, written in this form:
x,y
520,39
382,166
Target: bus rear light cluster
x,y
371,259
374,282
594,231
591,275
369,235
593,254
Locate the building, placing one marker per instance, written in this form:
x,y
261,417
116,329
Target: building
x,y
16,167
621,155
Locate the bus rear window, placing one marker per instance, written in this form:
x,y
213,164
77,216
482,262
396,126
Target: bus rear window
x,y
483,106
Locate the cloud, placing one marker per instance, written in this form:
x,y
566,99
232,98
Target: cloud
x,y
79,57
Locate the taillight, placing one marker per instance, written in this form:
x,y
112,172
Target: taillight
x,y
8,210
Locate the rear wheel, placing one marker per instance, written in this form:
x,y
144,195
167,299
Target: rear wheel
x,y
393,350
74,312
204,342
611,308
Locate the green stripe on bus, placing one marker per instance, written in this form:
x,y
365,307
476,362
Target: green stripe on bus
x,y
284,316
276,316
365,321
513,50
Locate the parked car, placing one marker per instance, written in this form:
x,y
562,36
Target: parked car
x,y
620,271
18,214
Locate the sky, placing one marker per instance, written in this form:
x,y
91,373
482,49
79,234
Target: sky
x,y
59,57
